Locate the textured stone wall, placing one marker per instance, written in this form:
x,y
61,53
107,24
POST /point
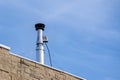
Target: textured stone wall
x,y
16,68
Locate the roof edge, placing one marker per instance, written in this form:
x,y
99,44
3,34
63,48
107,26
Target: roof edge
x,y
4,46
48,66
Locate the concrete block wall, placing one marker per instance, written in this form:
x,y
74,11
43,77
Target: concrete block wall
x,y
17,68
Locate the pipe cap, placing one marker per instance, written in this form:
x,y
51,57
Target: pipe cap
x,y
39,26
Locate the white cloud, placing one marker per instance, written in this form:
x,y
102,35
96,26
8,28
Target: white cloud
x,y
85,10
23,6
87,16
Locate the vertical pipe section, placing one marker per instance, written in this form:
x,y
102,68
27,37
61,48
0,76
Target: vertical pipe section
x,y
40,48
39,44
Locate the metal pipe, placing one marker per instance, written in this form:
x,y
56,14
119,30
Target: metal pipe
x,y
39,44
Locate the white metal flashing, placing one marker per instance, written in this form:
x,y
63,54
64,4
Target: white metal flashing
x,y
4,46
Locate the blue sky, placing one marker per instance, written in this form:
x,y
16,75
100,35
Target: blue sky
x,y
84,35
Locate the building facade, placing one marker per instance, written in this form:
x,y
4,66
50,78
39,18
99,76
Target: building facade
x,y
14,67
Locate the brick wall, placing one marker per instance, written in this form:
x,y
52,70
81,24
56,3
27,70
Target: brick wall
x,y
17,68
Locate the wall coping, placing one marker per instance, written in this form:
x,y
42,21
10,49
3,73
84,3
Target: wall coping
x,y
4,46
